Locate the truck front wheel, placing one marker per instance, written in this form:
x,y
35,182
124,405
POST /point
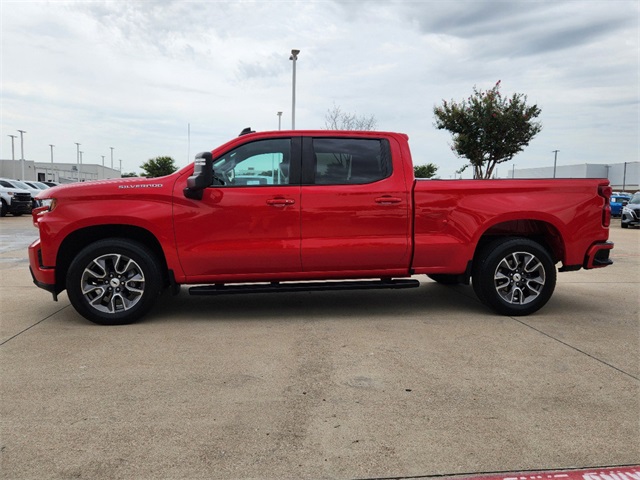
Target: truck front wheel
x,y
514,276
114,281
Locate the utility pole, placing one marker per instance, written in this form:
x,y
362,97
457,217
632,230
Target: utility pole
x,y
22,132
13,155
78,160
111,157
279,120
555,161
52,175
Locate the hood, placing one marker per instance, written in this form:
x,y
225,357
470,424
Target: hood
x,y
114,186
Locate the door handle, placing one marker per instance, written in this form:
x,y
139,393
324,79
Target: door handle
x,y
388,200
280,202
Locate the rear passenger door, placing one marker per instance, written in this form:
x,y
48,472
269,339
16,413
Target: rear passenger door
x,y
355,208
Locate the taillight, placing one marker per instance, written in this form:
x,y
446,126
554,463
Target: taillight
x,y
605,192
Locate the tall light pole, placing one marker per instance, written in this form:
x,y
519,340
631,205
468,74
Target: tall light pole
x,y
22,132
111,157
555,161
52,176
80,169
13,155
78,160
294,57
279,120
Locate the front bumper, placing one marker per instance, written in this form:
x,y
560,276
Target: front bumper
x,y
630,217
19,207
43,277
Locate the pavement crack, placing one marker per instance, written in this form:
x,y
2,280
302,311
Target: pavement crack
x,y
593,357
34,325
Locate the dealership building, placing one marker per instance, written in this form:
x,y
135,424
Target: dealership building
x,y
624,177
55,172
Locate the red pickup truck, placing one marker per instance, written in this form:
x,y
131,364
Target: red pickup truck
x,y
312,210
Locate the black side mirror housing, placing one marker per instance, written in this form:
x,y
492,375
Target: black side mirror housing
x,y
202,176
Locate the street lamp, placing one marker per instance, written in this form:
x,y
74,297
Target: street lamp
x,y
279,120
294,57
111,157
52,176
13,155
22,152
78,159
555,161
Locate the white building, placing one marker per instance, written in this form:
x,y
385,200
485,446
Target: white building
x,y
55,172
623,176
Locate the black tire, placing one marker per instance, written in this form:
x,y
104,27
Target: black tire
x,y
17,214
114,281
624,225
3,209
514,276
445,279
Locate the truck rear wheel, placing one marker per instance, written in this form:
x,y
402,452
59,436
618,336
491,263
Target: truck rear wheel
x,y
514,276
114,281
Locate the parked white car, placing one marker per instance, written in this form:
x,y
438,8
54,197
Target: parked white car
x,y
15,201
23,186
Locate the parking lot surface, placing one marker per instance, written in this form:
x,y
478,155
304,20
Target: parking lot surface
x,y
371,384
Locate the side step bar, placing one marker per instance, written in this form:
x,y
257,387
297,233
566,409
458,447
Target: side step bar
x,y
288,287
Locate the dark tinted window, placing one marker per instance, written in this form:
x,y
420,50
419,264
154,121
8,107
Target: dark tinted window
x,y
350,160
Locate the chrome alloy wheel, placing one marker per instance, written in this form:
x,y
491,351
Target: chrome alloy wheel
x,y
112,283
519,278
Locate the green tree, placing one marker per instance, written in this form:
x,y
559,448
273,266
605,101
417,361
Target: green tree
x,y
487,128
158,167
129,174
425,171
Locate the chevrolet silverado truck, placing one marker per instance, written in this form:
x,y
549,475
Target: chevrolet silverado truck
x,y
312,210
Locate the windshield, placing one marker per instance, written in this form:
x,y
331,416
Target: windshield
x,y
635,199
22,185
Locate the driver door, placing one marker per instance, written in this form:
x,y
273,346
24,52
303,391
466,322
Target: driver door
x,y
247,224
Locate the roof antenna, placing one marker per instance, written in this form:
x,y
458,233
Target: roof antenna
x,y
246,131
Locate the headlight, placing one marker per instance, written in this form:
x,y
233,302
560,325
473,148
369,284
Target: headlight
x,y
626,210
50,203
47,204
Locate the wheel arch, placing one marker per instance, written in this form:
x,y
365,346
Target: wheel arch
x,y
79,239
540,231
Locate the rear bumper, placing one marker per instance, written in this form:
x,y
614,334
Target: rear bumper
x,y
598,256
43,277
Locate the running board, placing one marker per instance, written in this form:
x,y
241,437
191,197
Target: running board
x,y
288,287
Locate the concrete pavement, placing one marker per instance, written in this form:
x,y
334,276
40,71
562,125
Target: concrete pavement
x,y
372,384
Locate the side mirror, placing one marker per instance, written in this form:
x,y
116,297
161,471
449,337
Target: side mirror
x,y
202,176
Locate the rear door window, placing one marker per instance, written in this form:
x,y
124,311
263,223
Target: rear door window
x,y
345,161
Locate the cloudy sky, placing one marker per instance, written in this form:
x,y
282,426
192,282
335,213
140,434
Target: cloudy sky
x,y
134,75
